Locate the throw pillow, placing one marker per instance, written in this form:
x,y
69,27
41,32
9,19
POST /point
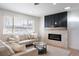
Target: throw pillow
x,y
17,39
17,47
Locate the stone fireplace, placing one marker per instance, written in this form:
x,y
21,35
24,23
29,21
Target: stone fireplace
x,y
56,37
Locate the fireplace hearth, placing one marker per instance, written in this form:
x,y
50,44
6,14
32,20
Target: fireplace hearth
x,y
56,37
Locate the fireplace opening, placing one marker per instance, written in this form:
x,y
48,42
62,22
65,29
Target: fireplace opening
x,y
56,37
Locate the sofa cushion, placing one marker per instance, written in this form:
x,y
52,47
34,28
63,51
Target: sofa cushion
x,y
33,36
17,47
11,52
26,42
22,37
17,38
33,40
11,39
30,52
27,36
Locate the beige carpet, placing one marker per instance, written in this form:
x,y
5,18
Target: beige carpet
x,y
54,51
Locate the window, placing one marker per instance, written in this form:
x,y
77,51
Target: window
x,y
8,25
18,25
23,25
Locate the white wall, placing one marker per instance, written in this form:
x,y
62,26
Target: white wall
x,y
41,30
1,25
73,27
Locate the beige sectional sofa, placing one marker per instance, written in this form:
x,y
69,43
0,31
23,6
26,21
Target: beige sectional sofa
x,y
15,45
17,50
20,38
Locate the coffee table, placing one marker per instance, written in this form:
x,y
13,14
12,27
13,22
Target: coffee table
x,y
41,47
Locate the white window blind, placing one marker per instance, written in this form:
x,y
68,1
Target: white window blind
x,y
18,25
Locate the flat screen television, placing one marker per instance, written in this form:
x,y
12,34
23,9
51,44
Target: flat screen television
x,y
56,20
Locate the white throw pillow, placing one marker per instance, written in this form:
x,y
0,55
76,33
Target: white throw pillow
x,y
17,39
33,36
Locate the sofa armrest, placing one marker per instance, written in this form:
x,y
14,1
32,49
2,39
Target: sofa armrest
x,y
26,42
30,52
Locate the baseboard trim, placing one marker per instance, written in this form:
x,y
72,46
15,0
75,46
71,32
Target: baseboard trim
x,y
57,46
74,52
73,49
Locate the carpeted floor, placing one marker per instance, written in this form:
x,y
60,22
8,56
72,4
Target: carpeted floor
x,y
54,51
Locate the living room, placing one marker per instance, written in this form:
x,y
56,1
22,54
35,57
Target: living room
x,y
39,29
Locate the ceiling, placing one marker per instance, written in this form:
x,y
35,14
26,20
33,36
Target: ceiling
x,y
37,10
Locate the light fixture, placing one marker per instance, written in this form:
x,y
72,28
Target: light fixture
x,y
67,8
54,3
55,23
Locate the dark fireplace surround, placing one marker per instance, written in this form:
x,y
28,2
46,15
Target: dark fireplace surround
x,y
56,37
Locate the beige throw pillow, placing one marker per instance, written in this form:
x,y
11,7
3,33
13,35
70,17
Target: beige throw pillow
x,y
17,48
11,40
16,37
33,36
27,37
